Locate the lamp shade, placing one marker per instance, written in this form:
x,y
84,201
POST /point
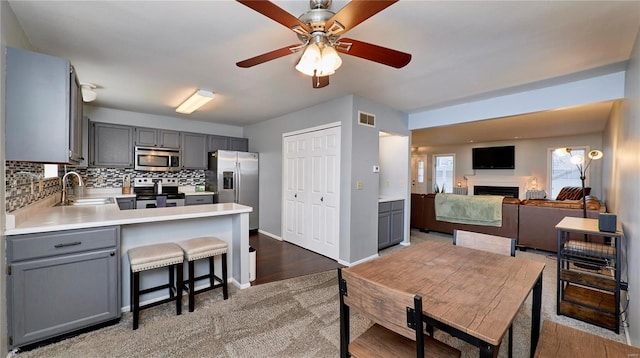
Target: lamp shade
x,y
330,61
561,152
595,154
577,159
310,60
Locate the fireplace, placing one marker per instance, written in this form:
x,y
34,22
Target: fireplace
x,y
519,182
508,191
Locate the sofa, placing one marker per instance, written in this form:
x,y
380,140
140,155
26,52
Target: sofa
x,y
539,217
531,222
509,226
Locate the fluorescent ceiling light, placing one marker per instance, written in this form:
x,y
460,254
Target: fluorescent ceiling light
x,y
194,102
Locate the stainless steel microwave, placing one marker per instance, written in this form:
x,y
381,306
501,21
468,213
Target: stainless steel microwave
x,y
157,159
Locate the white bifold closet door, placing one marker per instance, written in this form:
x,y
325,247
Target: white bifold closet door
x,y
311,201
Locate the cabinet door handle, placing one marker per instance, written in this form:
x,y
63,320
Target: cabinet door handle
x,y
295,196
322,198
58,246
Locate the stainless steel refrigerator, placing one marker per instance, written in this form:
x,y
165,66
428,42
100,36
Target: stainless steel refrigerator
x,y
234,177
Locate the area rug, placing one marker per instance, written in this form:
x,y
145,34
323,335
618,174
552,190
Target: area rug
x,y
298,317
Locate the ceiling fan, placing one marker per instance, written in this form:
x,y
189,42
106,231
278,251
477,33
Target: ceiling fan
x,y
319,30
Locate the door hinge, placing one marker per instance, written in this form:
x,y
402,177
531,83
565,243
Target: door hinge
x,y
8,270
10,339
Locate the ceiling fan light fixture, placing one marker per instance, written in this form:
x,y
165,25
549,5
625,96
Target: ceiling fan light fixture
x,y
310,60
330,60
197,100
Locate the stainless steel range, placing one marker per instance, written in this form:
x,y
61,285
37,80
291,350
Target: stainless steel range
x,y
157,192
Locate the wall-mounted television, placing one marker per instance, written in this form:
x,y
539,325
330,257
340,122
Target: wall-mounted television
x,y
494,157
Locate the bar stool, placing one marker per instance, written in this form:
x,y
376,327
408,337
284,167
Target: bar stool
x,y
202,248
150,257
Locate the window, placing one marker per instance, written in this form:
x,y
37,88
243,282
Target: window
x,y
421,171
443,173
562,172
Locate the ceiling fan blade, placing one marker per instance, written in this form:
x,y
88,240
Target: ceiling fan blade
x,y
356,12
275,13
267,56
383,55
319,82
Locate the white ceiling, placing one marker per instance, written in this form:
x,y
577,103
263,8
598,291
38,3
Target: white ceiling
x,y
148,56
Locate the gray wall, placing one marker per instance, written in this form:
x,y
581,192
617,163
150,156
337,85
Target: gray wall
x,y
621,176
531,159
359,147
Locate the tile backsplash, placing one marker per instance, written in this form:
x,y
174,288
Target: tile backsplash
x,y
23,180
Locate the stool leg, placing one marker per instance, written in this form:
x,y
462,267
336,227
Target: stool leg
x,y
192,290
178,286
130,291
225,292
212,271
136,299
172,280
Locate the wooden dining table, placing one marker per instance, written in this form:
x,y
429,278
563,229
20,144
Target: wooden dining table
x,y
471,294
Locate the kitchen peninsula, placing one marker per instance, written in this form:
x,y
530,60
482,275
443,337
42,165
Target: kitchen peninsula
x,y
227,221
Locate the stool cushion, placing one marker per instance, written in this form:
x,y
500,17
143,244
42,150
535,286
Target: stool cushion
x,y
201,247
153,256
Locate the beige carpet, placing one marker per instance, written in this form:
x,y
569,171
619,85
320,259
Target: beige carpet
x,y
293,318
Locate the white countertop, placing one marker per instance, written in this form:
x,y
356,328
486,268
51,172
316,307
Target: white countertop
x,y
384,199
47,219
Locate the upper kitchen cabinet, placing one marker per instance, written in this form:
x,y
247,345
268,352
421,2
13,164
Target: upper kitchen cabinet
x,y
194,151
111,145
43,105
239,144
217,142
149,137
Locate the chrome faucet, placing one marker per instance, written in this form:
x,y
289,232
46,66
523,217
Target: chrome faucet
x,y
65,200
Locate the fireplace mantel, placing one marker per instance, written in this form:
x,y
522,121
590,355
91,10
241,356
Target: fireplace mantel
x,y
522,182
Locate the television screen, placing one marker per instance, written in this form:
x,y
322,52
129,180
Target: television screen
x,y
494,157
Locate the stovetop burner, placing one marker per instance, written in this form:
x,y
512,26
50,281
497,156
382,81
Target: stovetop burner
x,y
145,188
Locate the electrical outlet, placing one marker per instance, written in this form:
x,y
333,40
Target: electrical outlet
x,y
388,183
402,183
359,185
100,179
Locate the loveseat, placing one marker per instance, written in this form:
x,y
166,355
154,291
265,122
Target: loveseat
x,y
531,222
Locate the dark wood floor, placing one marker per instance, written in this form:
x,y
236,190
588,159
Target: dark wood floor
x,y
278,260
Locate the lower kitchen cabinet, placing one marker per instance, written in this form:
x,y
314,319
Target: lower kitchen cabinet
x,y
126,203
418,211
60,282
390,223
198,199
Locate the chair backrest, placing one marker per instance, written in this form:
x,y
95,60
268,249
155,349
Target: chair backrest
x,y
475,240
384,306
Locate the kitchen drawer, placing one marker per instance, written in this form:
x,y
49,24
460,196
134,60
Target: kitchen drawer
x,y
198,199
30,246
384,207
397,205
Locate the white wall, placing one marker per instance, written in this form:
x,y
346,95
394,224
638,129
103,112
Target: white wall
x,y
531,159
622,178
393,179
116,116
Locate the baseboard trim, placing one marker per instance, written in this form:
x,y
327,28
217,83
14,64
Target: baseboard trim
x,y
273,236
349,264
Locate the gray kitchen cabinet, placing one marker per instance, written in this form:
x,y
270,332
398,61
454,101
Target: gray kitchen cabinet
x,y
239,144
390,223
60,282
216,142
194,151
111,145
44,105
150,137
126,203
198,199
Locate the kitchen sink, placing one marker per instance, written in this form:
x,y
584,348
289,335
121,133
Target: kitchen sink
x,y
88,201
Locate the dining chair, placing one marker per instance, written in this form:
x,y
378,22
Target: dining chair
x,y
398,329
491,243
